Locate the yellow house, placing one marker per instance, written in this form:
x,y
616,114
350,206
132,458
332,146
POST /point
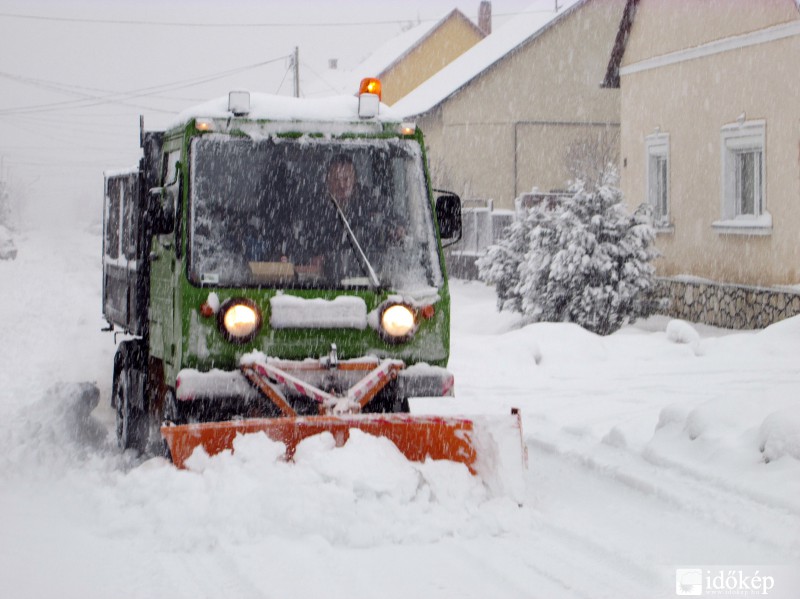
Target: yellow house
x,y
406,61
710,138
503,117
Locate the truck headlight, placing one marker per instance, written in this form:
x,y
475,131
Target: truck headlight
x,y
239,320
398,322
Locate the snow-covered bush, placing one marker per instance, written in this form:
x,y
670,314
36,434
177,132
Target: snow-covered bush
x,y
587,260
499,266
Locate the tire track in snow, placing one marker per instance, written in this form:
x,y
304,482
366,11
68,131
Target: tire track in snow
x,y
759,528
211,575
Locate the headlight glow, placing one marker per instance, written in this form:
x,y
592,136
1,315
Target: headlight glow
x,y
239,320
398,321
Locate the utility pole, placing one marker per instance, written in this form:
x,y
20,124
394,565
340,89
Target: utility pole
x,y
296,65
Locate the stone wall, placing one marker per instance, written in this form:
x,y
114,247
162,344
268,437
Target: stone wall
x,y
728,306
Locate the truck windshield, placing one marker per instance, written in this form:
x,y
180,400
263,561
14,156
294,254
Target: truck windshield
x,y
310,213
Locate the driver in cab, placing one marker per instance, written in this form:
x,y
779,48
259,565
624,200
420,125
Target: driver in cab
x,y
348,201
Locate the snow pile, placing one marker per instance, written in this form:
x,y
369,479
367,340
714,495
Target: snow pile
x,y
746,425
363,494
779,434
54,433
679,331
719,404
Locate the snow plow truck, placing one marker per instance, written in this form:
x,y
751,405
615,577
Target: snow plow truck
x,y
276,266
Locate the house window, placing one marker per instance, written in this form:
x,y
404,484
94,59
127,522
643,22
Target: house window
x,y
747,195
743,183
658,178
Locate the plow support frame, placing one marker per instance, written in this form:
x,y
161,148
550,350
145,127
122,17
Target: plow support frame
x,y
265,375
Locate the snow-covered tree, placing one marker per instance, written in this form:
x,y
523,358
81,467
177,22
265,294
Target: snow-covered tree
x,y
499,266
586,260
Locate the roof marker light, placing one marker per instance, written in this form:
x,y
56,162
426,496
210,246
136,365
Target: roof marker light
x,y
204,125
407,128
369,98
239,103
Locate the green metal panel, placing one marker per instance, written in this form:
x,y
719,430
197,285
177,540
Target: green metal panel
x,y
204,347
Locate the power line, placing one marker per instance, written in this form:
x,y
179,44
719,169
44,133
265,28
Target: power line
x,y
139,23
83,97
88,100
289,68
321,77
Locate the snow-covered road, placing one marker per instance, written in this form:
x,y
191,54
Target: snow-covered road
x,y
663,446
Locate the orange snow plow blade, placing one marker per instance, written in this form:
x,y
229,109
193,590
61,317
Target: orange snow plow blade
x,y
489,446
417,437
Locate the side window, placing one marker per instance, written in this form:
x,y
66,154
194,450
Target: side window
x,y
170,178
170,166
112,218
658,178
129,199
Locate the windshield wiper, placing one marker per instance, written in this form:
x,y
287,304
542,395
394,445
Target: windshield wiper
x,y
357,246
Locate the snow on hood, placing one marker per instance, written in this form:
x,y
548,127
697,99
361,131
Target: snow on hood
x,y
287,108
529,24
288,311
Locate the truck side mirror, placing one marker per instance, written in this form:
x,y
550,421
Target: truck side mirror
x,y
162,208
448,215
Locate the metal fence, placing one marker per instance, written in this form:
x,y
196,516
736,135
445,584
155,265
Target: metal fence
x,y
482,226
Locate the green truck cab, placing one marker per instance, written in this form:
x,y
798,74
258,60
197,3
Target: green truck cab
x,y
299,231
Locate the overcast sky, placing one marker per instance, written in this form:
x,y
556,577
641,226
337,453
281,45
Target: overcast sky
x,y
76,75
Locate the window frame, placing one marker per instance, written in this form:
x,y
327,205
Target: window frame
x,y
657,150
113,227
736,140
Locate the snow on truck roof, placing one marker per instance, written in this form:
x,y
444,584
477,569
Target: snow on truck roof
x,y
287,108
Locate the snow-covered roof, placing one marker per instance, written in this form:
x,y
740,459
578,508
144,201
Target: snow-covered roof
x,y
287,108
537,18
397,48
381,60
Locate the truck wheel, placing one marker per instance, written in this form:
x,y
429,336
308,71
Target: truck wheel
x,y
132,424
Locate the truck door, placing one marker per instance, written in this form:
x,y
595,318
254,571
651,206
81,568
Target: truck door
x,y
164,278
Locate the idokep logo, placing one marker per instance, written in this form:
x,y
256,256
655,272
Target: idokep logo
x,y
721,581
689,581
